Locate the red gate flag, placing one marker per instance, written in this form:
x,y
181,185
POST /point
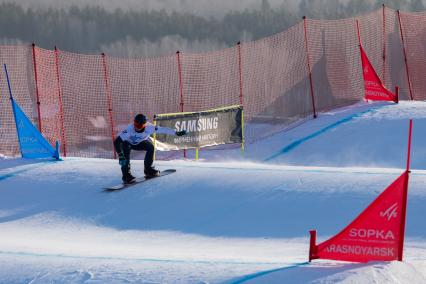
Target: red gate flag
x,y
376,234
374,89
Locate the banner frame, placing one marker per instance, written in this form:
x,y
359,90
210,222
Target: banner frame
x,y
181,114
195,112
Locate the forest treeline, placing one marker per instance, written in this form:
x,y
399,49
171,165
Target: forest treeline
x,y
147,33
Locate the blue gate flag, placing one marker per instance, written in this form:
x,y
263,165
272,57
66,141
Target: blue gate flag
x,y
33,145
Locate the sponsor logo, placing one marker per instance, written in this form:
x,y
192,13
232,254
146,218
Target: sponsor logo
x,y
379,94
361,250
206,138
197,125
29,140
391,212
369,83
371,233
366,69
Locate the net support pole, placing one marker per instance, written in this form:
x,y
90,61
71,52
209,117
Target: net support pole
x,y
359,34
409,145
405,55
240,69
360,52
397,94
240,72
384,45
61,109
305,24
109,98
405,196
242,131
155,137
36,87
180,87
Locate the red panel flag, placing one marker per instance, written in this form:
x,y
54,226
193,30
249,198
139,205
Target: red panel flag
x,y
374,89
376,234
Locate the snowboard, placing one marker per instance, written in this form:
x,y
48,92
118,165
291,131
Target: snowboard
x,y
137,180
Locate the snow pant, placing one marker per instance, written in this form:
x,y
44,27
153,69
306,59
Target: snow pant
x,y
125,147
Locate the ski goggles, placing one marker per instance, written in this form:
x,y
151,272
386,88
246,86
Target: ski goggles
x,y
139,126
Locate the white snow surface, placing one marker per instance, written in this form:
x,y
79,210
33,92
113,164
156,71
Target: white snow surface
x,y
227,218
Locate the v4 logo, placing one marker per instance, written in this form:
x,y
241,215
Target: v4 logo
x,y
390,212
366,69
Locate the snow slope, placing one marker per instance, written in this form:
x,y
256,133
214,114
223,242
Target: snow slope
x,y
224,219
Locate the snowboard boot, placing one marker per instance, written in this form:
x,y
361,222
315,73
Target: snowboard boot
x,y
151,172
128,178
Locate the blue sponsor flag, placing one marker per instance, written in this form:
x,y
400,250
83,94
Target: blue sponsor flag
x,y
33,145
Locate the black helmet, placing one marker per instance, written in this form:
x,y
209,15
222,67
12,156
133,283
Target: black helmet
x,y
139,122
140,118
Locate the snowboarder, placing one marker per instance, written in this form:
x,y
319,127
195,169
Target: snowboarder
x,y
136,137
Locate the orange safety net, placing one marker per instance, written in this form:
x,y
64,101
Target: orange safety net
x,y
48,93
275,79
86,100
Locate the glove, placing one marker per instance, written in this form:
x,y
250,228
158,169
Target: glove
x,y
121,159
180,133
